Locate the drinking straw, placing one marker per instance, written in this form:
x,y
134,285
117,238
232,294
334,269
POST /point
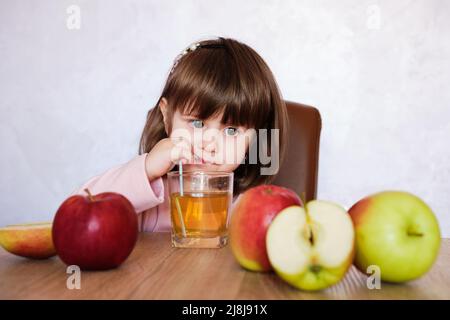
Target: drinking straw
x,y
180,171
177,203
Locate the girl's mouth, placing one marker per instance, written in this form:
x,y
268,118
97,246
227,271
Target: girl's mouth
x,y
200,160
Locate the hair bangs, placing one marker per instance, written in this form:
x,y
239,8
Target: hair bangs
x,y
214,84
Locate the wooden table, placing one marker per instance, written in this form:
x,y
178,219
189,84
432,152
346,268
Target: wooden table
x,y
155,270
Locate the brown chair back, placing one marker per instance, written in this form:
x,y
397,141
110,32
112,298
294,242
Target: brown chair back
x,y
300,168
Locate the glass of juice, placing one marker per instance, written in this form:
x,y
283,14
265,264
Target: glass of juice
x,y
199,208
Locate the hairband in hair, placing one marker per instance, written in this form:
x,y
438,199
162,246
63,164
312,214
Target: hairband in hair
x,y
192,48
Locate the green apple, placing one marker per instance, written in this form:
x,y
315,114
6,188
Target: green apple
x,y
311,248
397,232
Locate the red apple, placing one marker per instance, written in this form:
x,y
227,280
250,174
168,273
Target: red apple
x,y
95,232
251,216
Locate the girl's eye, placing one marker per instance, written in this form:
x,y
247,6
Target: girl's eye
x,y
230,131
197,124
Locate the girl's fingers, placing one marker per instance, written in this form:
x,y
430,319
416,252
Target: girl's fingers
x,y
203,155
180,141
186,156
193,154
197,154
182,153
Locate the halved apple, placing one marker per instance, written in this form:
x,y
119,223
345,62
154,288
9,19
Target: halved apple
x,y
28,240
311,248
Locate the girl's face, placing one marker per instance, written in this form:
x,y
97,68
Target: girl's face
x,y
216,146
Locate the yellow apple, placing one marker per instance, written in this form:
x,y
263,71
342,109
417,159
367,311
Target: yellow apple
x,y
28,240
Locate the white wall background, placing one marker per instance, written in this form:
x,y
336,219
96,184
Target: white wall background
x,y
73,102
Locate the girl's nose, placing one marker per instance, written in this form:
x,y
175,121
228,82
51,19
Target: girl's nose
x,y
209,146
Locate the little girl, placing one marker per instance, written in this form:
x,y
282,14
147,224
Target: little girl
x,y
220,85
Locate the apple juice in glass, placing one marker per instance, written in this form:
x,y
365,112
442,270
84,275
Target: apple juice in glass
x,y
199,208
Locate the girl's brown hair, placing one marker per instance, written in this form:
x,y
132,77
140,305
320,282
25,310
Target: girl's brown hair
x,y
223,75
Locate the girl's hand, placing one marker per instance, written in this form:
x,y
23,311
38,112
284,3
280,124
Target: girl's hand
x,y
165,155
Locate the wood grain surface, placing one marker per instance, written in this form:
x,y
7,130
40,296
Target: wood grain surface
x,y
155,270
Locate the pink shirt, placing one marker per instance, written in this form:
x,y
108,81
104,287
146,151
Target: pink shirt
x,y
149,199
